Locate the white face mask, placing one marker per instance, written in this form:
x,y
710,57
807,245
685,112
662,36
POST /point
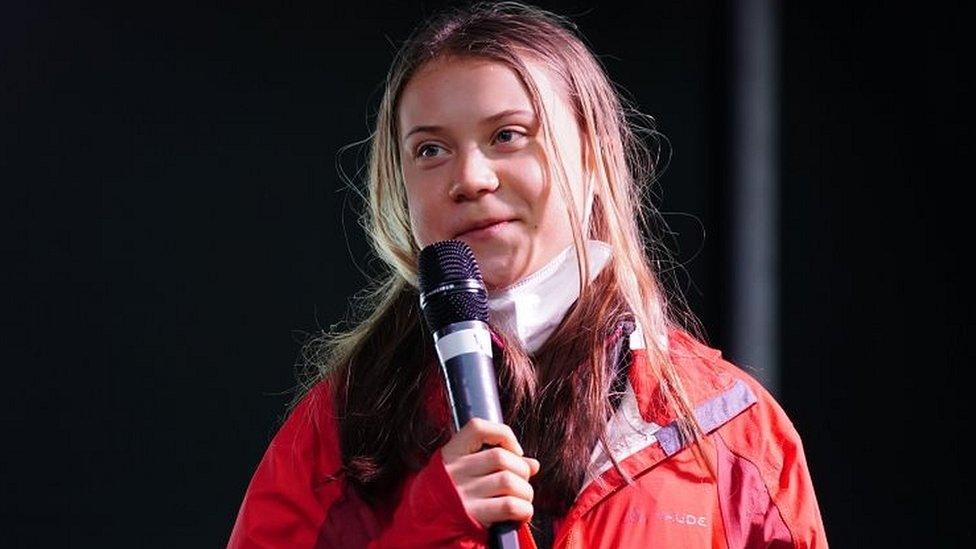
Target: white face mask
x,y
533,307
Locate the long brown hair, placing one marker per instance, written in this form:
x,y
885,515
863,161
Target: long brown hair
x,y
558,401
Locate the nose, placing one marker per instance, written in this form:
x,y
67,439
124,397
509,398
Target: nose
x,y
473,176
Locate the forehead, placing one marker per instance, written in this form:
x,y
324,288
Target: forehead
x,y
450,90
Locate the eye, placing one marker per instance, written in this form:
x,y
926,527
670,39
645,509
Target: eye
x,y
428,150
509,135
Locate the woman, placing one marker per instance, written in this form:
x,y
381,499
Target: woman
x,y
498,127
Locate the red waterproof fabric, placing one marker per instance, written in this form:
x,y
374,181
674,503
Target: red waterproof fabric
x,y
760,494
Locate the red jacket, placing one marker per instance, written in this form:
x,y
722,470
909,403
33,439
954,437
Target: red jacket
x,y
760,495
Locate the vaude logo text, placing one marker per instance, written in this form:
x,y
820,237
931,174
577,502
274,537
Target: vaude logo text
x,y
635,516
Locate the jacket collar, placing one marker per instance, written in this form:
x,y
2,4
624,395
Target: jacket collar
x,y
698,372
643,431
533,308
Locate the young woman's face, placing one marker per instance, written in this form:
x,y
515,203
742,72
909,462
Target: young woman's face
x,y
473,162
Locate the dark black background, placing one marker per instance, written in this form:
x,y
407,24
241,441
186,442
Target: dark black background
x,y
175,224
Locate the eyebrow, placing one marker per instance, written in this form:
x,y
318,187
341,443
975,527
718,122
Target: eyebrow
x,y
493,118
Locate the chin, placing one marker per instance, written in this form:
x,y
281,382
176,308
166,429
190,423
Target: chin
x,y
498,273
501,264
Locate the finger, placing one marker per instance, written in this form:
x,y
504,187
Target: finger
x,y
490,433
490,461
534,466
479,432
502,483
493,510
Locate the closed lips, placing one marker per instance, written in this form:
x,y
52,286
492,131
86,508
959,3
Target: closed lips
x,y
484,224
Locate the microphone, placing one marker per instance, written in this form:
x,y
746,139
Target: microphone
x,y
454,301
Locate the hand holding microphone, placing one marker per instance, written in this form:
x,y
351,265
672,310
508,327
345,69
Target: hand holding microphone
x,y
494,482
483,458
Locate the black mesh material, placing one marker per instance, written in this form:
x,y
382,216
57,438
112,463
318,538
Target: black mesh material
x,y
447,260
451,261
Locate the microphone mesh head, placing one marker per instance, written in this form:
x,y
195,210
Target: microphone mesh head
x,y
451,261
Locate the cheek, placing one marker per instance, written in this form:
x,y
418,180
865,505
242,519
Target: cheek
x,y
418,215
556,228
424,221
527,185
548,207
550,223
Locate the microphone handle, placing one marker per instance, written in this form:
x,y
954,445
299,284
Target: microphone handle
x,y
473,388
473,391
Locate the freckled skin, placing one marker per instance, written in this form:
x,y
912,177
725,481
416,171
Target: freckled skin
x,y
470,170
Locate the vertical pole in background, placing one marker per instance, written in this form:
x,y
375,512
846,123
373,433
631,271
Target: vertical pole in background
x,y
754,189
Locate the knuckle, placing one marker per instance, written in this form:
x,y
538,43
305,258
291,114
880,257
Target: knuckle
x,y
507,481
515,508
510,505
498,456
